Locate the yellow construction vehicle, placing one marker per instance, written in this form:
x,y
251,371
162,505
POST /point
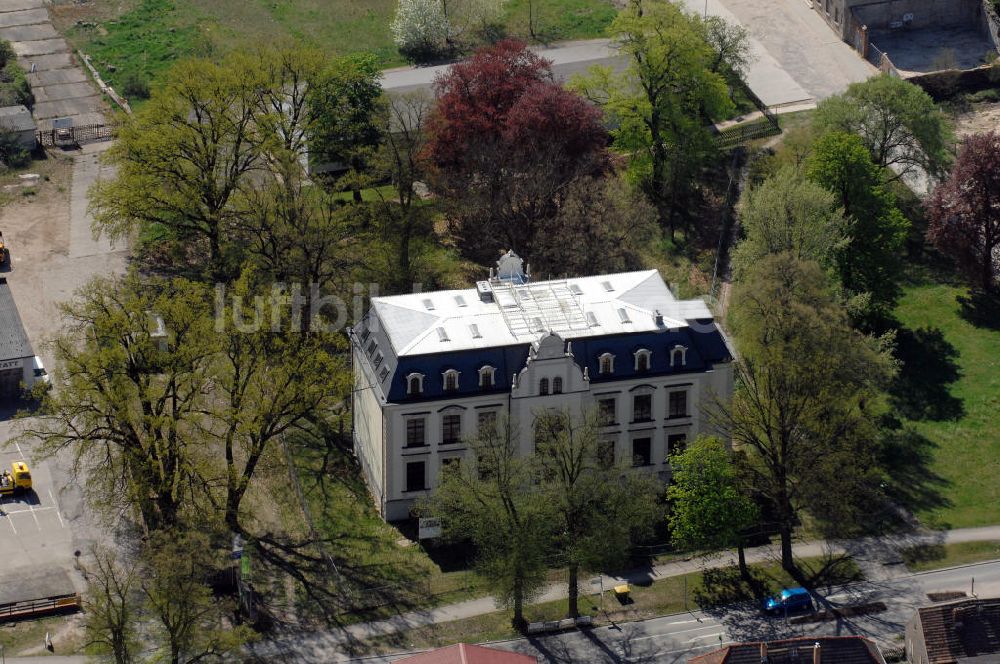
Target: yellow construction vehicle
x,y
18,478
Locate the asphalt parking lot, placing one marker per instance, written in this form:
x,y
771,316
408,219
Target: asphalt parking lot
x,y
36,540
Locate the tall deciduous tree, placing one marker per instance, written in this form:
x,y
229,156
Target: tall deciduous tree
x,y
872,260
183,157
123,400
788,213
899,123
111,608
965,211
601,511
710,503
494,500
505,142
808,392
664,106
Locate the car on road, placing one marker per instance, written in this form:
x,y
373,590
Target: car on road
x,y
38,371
789,600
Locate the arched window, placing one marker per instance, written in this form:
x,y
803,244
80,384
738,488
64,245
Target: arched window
x,y
642,359
415,384
450,380
557,385
607,364
678,355
543,386
487,377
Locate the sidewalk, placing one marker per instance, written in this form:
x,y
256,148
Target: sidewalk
x,y
869,552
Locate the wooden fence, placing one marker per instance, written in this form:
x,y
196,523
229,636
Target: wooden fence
x,y
40,607
93,133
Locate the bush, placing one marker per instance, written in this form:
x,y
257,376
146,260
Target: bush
x,y
135,86
11,153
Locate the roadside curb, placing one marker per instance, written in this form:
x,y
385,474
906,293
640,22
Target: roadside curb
x,y
948,569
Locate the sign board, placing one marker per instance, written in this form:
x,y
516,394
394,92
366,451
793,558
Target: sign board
x,y
10,364
429,528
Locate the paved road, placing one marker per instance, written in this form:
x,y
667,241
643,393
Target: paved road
x,y
671,639
61,88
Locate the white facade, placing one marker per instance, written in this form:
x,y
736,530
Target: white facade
x,y
651,399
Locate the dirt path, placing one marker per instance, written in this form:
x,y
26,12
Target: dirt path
x,y
983,118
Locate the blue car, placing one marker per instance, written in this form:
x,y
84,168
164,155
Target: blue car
x,y
789,600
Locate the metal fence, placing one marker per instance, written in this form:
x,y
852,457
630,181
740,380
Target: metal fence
x,y
741,134
39,607
93,133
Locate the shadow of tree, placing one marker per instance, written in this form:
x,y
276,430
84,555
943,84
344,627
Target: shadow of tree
x,y
981,309
906,457
724,586
920,390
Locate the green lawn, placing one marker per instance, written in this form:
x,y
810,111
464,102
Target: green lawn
x,y
952,401
146,36
939,556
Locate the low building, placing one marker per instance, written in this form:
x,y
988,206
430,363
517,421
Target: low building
x,y
804,650
17,121
962,632
431,368
17,359
463,653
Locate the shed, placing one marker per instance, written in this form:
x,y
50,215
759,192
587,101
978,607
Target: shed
x,y
18,120
16,355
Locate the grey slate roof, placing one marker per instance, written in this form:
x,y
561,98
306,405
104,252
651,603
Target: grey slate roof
x,y
14,342
16,118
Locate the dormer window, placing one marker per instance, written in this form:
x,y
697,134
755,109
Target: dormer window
x,y
450,380
371,348
365,333
543,386
487,377
606,364
678,356
557,385
642,359
415,384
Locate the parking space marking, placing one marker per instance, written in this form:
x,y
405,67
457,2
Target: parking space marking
x,y
53,499
11,522
30,510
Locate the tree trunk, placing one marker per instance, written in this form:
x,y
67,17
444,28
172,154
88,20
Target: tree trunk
x,y
787,562
741,554
518,603
574,591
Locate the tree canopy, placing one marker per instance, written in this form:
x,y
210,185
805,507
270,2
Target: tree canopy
x,y
898,122
964,211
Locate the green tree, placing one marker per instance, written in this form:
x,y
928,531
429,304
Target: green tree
x,y
189,625
345,105
183,157
122,399
111,608
808,396
495,502
898,122
710,504
663,106
601,510
788,213
872,259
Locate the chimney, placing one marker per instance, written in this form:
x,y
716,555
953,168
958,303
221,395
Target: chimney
x,y
659,318
763,653
816,653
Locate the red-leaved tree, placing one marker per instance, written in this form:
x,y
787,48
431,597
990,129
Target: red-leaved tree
x,y
964,211
505,142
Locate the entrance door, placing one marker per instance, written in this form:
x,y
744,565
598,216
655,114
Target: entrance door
x,y
10,382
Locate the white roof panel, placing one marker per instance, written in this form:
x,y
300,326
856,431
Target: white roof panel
x,y
563,306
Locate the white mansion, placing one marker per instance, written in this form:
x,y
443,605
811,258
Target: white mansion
x,y
430,368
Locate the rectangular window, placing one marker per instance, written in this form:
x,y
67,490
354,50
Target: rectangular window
x,y
451,429
642,407
606,411
486,421
415,428
678,405
416,472
676,443
606,452
642,451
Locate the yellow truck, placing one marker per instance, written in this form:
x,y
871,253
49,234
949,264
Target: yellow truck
x,y
18,478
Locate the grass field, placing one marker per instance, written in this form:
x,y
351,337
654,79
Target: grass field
x,y
939,556
951,398
144,37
